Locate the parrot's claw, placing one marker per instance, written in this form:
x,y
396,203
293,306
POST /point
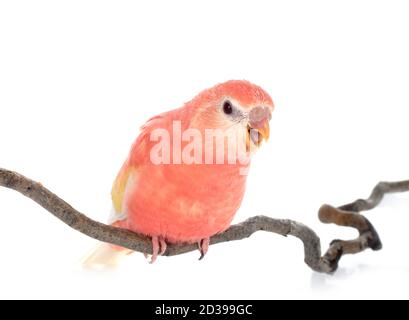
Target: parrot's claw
x,y
163,246
158,248
203,247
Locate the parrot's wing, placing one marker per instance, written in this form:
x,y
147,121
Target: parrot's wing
x,y
138,157
140,152
106,255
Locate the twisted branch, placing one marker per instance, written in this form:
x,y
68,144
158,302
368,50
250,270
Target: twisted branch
x,y
347,215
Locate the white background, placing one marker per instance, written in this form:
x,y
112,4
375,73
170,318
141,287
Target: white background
x,y
78,78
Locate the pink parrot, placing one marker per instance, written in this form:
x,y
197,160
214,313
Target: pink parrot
x,y
172,201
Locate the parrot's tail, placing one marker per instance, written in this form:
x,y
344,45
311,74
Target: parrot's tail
x,y
105,256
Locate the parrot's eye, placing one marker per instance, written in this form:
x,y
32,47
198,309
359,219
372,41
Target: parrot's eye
x,y
227,107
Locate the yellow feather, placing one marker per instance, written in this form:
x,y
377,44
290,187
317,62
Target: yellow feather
x,y
119,187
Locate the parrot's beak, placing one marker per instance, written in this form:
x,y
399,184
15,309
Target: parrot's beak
x,y
258,134
258,128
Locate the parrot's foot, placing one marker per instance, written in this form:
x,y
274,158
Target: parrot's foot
x,y
158,248
203,247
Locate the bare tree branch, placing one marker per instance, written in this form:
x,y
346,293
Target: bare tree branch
x,y
346,215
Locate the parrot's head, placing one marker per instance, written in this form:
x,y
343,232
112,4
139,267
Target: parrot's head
x,y
236,105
